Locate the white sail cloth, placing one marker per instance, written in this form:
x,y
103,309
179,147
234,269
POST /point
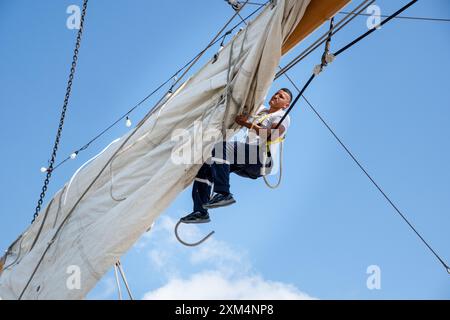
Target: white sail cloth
x,y
110,202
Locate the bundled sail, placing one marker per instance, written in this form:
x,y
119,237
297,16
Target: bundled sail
x,y
112,200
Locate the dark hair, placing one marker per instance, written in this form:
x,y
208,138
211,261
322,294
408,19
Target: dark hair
x,y
288,92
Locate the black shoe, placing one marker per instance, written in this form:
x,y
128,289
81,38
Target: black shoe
x,y
219,200
196,217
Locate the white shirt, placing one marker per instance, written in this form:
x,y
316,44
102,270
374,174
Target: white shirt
x,y
266,120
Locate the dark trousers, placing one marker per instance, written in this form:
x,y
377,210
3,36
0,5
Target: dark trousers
x,y
240,158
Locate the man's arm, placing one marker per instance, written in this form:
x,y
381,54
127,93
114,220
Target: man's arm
x,y
243,121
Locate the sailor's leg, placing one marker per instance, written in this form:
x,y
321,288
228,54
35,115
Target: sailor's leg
x,y
220,167
249,162
254,160
201,190
220,170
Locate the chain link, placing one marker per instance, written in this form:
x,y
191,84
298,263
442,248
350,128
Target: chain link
x,y
63,113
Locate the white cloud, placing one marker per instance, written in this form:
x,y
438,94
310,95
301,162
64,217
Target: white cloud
x,y
225,272
159,258
214,285
221,256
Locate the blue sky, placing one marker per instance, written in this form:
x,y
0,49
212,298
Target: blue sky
x,y
388,98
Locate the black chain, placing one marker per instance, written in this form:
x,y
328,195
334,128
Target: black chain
x,y
63,113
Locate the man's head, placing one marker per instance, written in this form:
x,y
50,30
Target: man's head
x,y
281,100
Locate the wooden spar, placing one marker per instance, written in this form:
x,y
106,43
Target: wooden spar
x,y
316,14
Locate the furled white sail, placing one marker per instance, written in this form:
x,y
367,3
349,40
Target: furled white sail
x,y
111,201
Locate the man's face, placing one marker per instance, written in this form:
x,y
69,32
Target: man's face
x,y
280,100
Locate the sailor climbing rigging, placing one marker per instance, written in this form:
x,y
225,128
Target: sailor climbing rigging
x,y
252,159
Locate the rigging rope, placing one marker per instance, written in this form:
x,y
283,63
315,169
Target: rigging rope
x,y
225,97
267,153
301,92
69,214
358,163
326,54
222,38
325,61
50,168
296,100
401,17
280,176
236,5
118,266
338,27
348,46
191,244
375,28
116,275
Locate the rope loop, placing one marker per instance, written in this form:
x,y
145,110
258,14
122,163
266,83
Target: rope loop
x,y
193,244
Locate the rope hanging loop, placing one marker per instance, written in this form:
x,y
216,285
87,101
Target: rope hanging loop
x,y
276,141
193,244
280,176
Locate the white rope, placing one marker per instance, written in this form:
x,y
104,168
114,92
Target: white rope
x,y
124,279
119,289
84,165
266,181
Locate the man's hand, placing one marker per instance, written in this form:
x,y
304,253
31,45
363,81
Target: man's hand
x,y
241,120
